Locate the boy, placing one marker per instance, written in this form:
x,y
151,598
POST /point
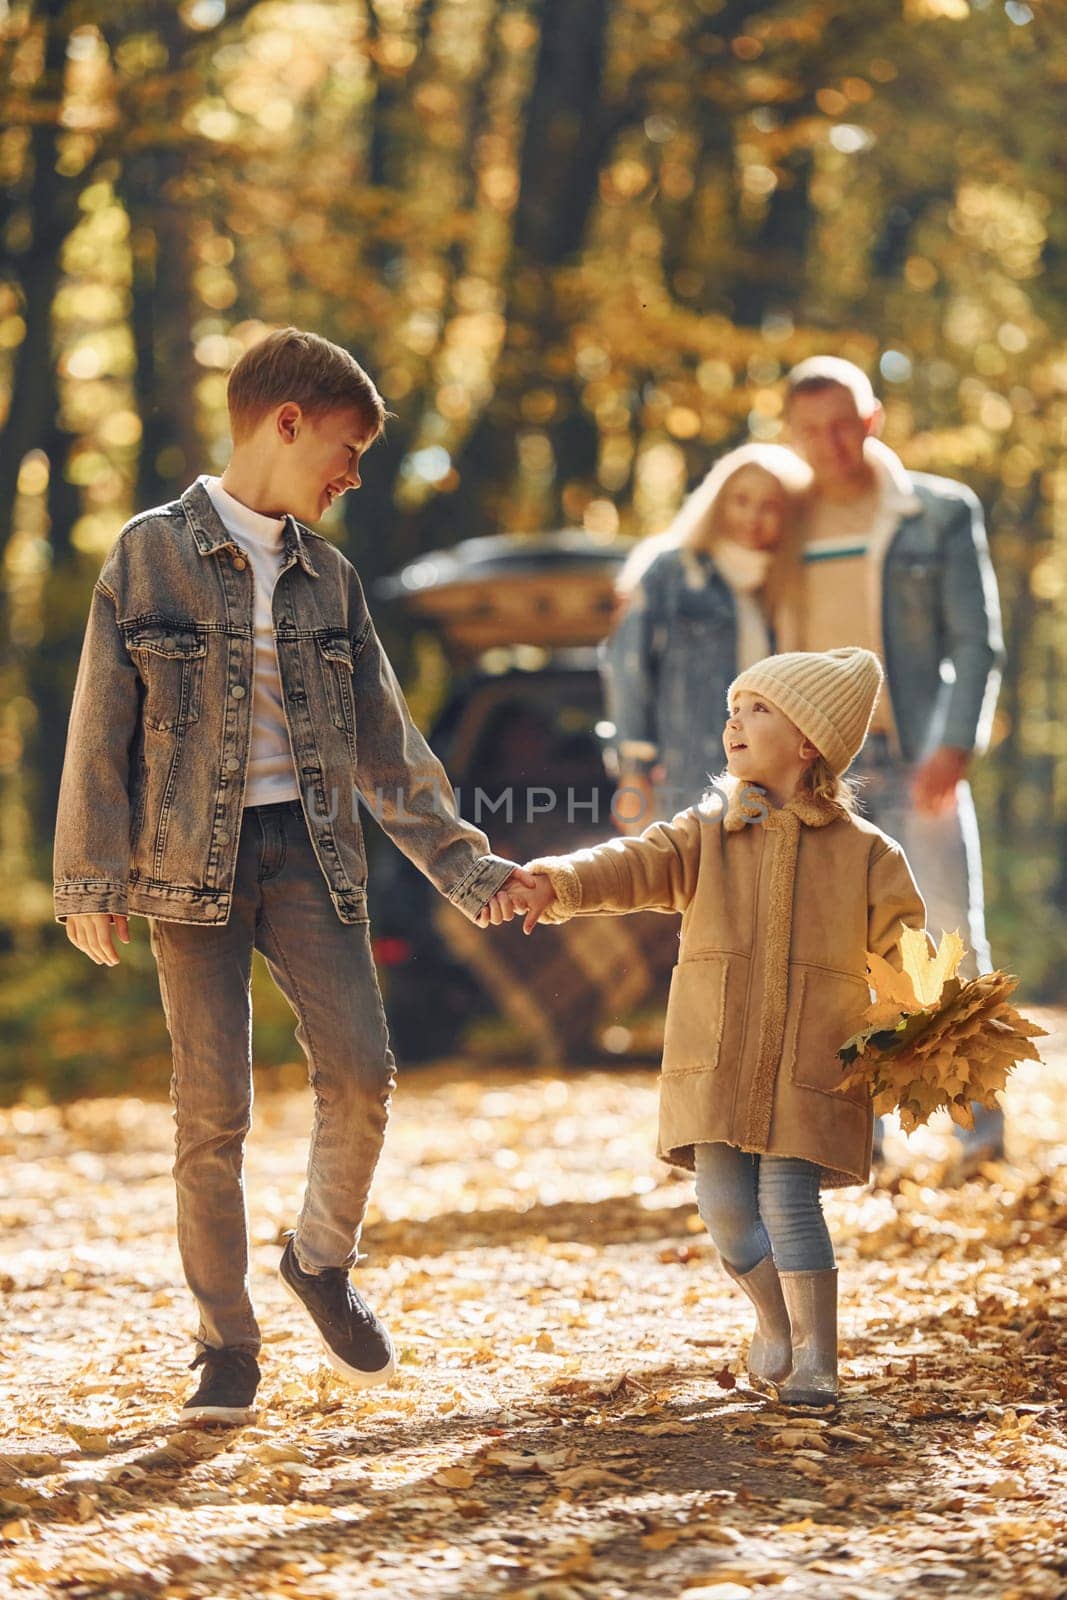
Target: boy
x,y
231,698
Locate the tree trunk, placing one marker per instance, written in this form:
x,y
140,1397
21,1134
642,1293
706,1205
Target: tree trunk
x,y
774,265
166,372
565,134
52,203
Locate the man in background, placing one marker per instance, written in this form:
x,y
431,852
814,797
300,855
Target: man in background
x,y
898,562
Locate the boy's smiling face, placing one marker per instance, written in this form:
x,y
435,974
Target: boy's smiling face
x,y
318,459
762,745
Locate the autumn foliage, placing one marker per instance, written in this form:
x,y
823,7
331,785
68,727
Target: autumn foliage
x,y
933,1042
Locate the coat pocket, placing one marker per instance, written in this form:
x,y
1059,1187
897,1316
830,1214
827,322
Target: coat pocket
x,y
696,1015
170,658
828,1009
335,660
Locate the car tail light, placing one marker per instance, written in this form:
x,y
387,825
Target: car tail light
x,y
392,952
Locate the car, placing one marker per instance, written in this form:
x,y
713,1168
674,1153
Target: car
x,y
522,736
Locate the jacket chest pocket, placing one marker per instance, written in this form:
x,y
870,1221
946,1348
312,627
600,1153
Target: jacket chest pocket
x,y
699,613
696,1015
335,660
700,643
914,586
171,663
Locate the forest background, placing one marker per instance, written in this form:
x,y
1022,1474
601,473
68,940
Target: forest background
x,y
577,243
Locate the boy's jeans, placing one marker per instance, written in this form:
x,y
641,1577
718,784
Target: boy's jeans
x,y
324,968
945,856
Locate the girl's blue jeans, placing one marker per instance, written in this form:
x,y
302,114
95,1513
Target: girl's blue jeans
x,y
753,1205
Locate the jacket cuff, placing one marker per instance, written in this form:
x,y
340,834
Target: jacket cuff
x,y
638,750
565,882
89,897
477,888
960,732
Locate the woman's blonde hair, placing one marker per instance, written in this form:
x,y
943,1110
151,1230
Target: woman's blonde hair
x,y
694,527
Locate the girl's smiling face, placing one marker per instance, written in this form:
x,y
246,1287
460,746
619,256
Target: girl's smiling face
x,y
762,746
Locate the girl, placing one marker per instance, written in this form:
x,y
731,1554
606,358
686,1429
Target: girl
x,y
782,891
700,603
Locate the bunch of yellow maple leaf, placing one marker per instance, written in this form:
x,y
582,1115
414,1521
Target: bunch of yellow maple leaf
x,y
935,1042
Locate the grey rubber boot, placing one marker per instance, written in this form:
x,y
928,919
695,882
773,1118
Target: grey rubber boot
x,y
811,1299
770,1355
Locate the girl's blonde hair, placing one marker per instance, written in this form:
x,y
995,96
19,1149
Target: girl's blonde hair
x,y
819,781
694,528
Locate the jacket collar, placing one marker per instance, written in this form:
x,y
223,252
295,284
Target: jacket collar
x,y
896,492
747,805
211,534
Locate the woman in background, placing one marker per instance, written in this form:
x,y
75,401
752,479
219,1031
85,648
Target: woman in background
x,y
700,603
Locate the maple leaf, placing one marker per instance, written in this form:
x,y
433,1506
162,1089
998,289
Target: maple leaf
x,y
929,974
951,1043
889,984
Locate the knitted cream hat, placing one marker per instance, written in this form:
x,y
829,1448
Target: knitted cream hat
x,y
829,694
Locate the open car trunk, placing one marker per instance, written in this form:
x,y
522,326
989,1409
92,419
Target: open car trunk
x,y
554,590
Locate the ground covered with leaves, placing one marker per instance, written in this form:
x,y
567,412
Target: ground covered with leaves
x,y
570,1417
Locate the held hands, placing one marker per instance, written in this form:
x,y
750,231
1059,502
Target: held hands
x,y
91,932
527,893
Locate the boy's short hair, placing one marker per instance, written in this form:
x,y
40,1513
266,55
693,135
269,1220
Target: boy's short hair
x,y
826,372
319,376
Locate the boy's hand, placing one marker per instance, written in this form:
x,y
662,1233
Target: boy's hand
x,y
512,896
91,932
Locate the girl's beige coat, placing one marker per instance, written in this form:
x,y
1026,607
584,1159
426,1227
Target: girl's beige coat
x,y
779,909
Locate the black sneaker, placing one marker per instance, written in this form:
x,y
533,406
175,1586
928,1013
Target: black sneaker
x,y
227,1389
356,1344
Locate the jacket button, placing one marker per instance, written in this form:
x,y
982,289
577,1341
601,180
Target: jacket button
x,y
238,691
222,838
212,910
232,764
240,563
168,643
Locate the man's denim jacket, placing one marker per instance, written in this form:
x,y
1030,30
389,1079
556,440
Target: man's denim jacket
x,y
940,616
150,802
671,657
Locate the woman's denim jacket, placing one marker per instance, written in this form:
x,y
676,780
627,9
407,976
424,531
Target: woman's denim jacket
x,y
666,670
670,661
153,783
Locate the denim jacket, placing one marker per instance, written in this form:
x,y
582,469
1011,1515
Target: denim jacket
x,y
666,670
940,615
151,797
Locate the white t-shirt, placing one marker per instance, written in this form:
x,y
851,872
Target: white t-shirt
x,y
271,773
837,577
